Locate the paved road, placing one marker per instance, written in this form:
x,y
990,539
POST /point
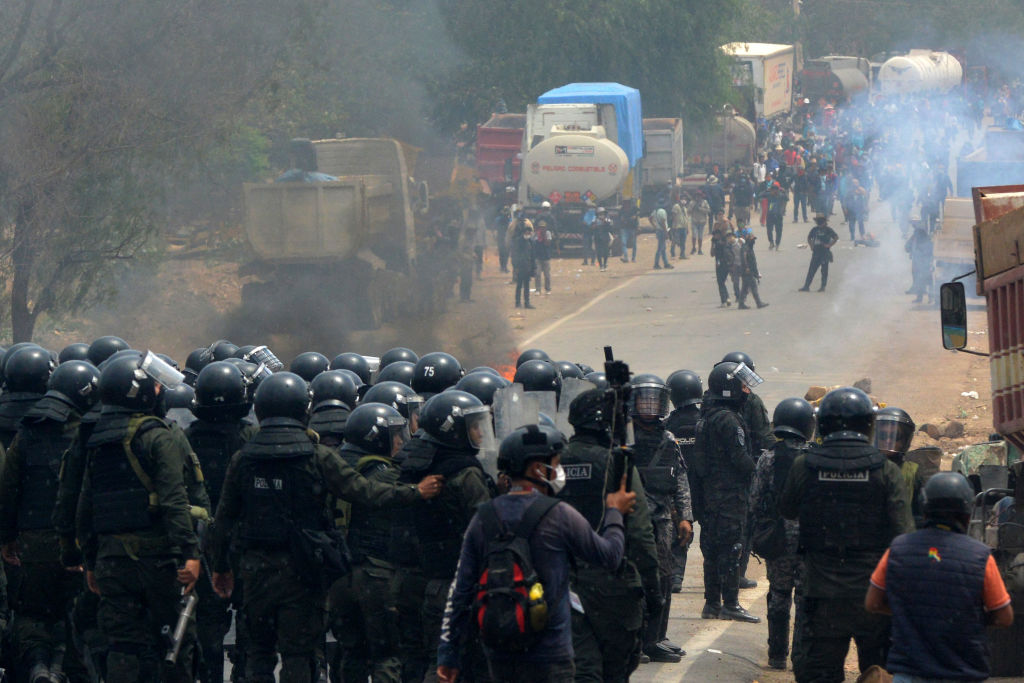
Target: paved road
x,y
666,320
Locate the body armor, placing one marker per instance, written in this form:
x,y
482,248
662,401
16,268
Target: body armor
x,y
369,532
214,443
123,497
586,465
42,444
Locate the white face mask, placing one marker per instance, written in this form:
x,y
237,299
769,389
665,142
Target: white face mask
x,y
558,483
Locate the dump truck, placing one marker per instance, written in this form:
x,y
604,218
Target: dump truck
x,y
344,248
663,160
998,477
835,78
499,143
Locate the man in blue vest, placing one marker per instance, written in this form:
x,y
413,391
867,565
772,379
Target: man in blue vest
x,y
941,588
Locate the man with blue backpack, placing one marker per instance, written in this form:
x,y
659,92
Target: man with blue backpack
x,y
511,589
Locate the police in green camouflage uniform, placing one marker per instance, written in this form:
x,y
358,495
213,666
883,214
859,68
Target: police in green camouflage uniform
x,y
28,491
794,427
661,467
851,502
606,635
135,526
361,609
276,487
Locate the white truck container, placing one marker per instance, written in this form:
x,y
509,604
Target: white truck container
x,y
920,71
768,68
663,151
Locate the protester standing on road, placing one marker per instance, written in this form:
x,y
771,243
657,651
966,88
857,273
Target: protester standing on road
x,y
630,224
603,228
700,215
523,262
680,226
543,243
659,219
722,253
530,457
851,502
821,239
776,213
942,588
750,275
922,259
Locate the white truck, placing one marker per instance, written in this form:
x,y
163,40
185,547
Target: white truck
x,y
763,72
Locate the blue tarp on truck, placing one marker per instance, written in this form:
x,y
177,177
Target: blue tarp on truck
x,y
629,118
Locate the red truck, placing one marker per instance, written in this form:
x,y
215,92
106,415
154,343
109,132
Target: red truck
x,y
498,143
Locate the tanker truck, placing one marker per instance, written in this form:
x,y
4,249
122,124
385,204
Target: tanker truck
x,y
920,71
582,146
342,249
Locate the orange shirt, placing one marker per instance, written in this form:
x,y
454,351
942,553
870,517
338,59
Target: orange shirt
x,y
993,593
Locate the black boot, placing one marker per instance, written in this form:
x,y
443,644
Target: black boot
x,y
737,613
711,610
778,641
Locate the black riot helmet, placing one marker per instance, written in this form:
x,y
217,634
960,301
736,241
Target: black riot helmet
x,y
105,347
846,413
482,385
181,396
76,351
539,375
648,397
567,369
400,397
590,411
285,396
194,364
584,368
793,417
598,379
221,349
335,387
376,428
124,384
221,393
685,388
739,357
354,362
485,368
76,383
455,418
309,364
435,372
13,349
399,353
243,351
28,370
531,354
399,371
527,444
252,373
894,430
948,497
724,384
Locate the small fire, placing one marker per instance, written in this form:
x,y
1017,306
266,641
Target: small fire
x,y
508,370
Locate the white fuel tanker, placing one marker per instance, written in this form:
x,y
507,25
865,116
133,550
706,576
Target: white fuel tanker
x,y
920,71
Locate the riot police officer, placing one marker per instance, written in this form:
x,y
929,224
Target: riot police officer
x,y
722,465
427,537
793,422
606,634
685,390
134,522
220,429
274,504
851,502
28,492
335,394
661,467
361,612
26,372
894,430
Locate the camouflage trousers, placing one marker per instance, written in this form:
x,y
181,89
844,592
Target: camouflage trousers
x,y
785,587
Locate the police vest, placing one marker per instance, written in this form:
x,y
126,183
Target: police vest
x,y
214,443
369,532
934,585
281,490
844,510
438,523
42,445
717,426
585,468
123,496
655,457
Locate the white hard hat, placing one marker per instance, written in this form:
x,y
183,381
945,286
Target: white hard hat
x,y
545,205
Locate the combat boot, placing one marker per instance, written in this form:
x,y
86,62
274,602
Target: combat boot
x,y
737,613
660,652
711,610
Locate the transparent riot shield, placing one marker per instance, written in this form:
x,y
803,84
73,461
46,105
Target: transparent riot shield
x,y
513,408
571,388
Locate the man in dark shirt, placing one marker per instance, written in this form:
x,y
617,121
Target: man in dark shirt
x,y
821,238
530,457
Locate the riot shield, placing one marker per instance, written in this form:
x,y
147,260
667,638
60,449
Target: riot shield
x,y
513,408
571,388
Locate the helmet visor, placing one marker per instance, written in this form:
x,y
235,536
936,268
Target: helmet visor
x,y
398,430
892,435
745,374
262,355
161,371
373,362
409,407
479,429
649,400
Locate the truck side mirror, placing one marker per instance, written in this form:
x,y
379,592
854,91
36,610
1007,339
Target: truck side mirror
x,y
953,307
